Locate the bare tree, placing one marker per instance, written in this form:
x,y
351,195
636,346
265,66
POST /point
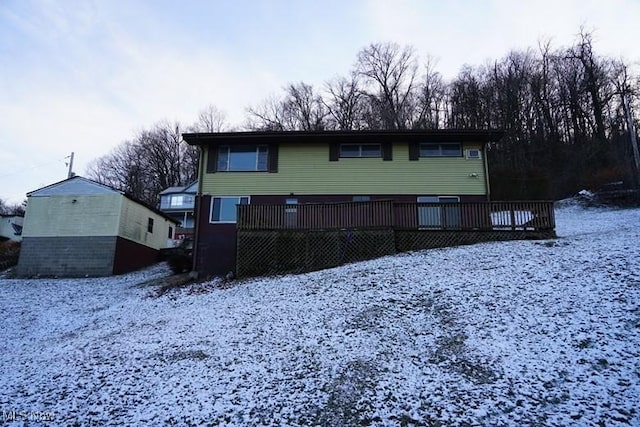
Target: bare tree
x,y
390,73
594,80
300,109
430,107
155,159
211,119
269,115
344,103
11,209
304,108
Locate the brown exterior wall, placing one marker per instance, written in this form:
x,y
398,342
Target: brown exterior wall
x,y
132,256
215,251
216,244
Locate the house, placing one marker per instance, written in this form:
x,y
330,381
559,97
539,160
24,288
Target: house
x,y
78,227
179,203
280,168
11,227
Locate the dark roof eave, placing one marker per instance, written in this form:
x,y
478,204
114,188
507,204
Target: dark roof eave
x,y
463,135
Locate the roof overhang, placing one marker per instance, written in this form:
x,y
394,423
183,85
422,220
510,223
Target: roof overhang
x,y
364,136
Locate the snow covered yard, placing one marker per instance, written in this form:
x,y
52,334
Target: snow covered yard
x,y
513,333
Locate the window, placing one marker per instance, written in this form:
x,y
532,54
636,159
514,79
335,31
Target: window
x,y
360,150
441,150
242,158
473,153
291,213
361,198
223,209
150,225
445,215
170,233
176,201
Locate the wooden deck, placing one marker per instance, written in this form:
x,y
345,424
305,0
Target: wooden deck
x,y
387,214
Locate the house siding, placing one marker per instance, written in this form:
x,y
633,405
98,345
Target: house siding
x,y
68,256
54,216
134,221
307,170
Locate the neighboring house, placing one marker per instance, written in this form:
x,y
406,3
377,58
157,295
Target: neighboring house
x,y
328,166
179,204
78,227
11,227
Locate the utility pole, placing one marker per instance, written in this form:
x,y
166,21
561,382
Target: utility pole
x,y
632,134
70,174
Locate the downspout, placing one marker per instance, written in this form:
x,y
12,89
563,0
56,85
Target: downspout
x,y
196,214
485,159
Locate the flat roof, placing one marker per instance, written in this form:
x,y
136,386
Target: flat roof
x,y
344,136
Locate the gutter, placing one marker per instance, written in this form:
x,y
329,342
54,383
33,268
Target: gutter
x,y
196,214
486,171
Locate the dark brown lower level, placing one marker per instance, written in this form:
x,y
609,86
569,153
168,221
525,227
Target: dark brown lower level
x,y
215,249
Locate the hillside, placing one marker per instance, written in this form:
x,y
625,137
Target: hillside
x,y
512,333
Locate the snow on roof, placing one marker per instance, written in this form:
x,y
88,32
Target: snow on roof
x,y
75,185
509,333
190,188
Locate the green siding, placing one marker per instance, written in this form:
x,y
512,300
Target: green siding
x,y
307,170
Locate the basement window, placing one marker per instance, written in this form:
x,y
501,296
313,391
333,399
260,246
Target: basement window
x,y
224,209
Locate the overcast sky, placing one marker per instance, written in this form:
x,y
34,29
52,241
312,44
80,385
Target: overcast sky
x,y
83,76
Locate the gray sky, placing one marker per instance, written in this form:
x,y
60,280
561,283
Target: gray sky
x,y
86,75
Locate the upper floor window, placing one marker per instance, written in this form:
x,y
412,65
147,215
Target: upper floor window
x,y
242,158
441,150
181,200
360,150
177,201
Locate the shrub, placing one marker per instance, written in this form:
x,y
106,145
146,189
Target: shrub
x,y
9,254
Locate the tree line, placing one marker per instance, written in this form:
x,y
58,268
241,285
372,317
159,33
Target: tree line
x,y
562,111
7,208
155,159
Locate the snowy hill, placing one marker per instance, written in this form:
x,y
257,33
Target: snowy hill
x,y
512,333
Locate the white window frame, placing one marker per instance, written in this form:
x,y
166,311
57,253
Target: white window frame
x,y
256,165
440,150
429,218
176,200
468,155
360,156
237,198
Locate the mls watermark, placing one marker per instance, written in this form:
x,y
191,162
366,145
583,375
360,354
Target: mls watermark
x,y
9,416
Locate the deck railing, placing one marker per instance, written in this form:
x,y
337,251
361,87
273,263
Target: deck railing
x,y
387,214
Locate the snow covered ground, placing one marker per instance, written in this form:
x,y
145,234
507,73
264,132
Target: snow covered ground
x,y
512,333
